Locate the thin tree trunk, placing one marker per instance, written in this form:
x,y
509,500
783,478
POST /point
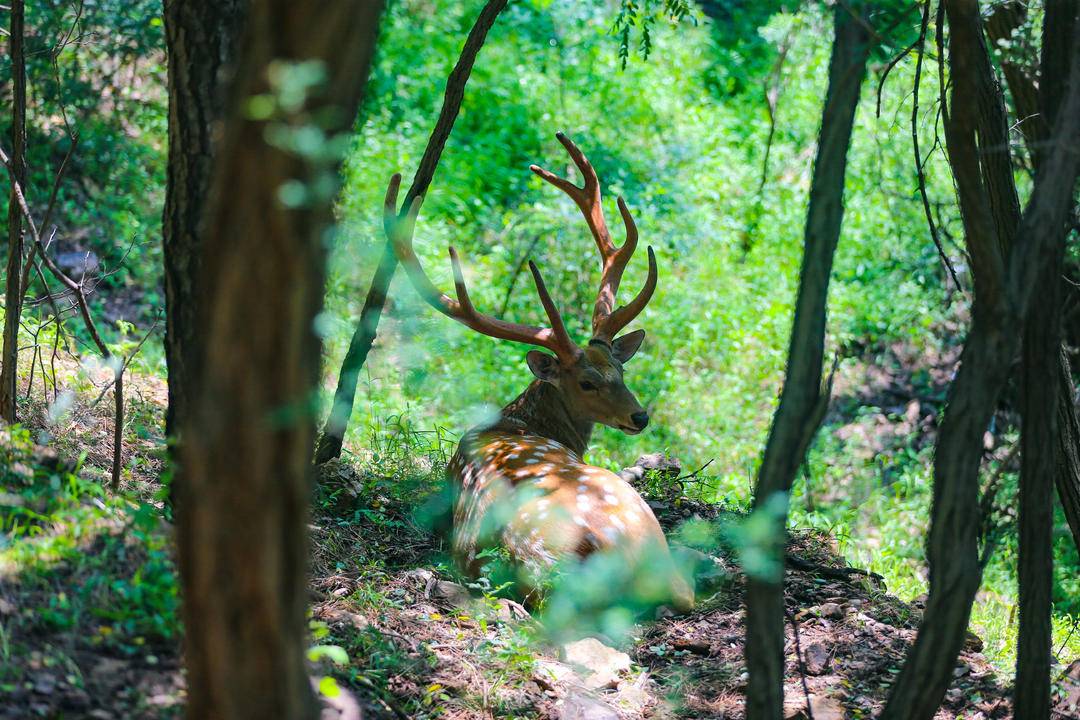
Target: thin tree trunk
x,y
13,292
1041,399
202,38
802,403
1035,108
333,434
245,460
952,551
1067,474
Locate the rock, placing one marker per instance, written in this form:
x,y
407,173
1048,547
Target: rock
x,y
831,610
826,708
632,697
450,592
599,664
509,610
697,645
822,707
1069,691
555,676
343,617
422,577
77,264
973,643
579,706
663,612
816,657
44,684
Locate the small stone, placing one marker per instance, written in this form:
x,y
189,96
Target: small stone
x,y
826,708
821,708
599,664
632,696
509,610
420,576
973,643
450,592
579,706
340,592
816,657
552,675
831,610
697,645
1070,689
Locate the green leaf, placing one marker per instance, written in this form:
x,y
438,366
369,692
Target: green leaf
x,y
335,653
328,687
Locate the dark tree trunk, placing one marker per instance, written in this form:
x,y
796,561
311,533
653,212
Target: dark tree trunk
x,y
333,434
1003,20
802,403
203,38
1001,302
1035,108
1067,473
13,292
1041,398
245,460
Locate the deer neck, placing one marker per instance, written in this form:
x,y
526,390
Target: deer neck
x,y
543,410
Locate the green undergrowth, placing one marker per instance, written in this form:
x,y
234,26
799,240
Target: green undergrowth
x,y
81,569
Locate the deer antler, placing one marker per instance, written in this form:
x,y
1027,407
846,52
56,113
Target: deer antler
x,y
606,322
400,228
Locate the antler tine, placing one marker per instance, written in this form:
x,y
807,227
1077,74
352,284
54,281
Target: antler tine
x,y
609,326
587,198
613,259
400,230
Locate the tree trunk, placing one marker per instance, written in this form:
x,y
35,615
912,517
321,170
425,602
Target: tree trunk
x,y
1001,302
203,38
13,292
802,403
1034,107
333,434
1041,399
245,461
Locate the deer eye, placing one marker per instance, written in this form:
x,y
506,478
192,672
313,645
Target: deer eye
x,y
587,386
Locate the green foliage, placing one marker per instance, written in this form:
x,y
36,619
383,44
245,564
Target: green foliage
x,y
96,80
90,560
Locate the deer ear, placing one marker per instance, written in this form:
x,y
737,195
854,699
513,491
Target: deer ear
x,y
543,366
626,346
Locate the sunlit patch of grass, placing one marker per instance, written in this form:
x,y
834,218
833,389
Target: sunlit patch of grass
x,y
77,557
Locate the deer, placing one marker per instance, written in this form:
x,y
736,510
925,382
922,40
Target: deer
x,y
522,481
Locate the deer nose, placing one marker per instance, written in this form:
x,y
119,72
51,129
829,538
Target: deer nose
x,y
640,420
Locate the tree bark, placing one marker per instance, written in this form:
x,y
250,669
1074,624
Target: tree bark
x,y
202,38
802,402
1041,398
245,460
333,434
952,550
1035,109
13,291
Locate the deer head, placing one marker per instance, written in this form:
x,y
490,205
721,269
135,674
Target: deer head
x,y
589,378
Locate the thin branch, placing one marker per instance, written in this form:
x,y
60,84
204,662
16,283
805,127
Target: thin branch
x,y
919,169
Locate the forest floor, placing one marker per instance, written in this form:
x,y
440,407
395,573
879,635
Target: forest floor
x,y
88,606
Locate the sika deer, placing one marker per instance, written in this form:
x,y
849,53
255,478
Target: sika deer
x,y
521,481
